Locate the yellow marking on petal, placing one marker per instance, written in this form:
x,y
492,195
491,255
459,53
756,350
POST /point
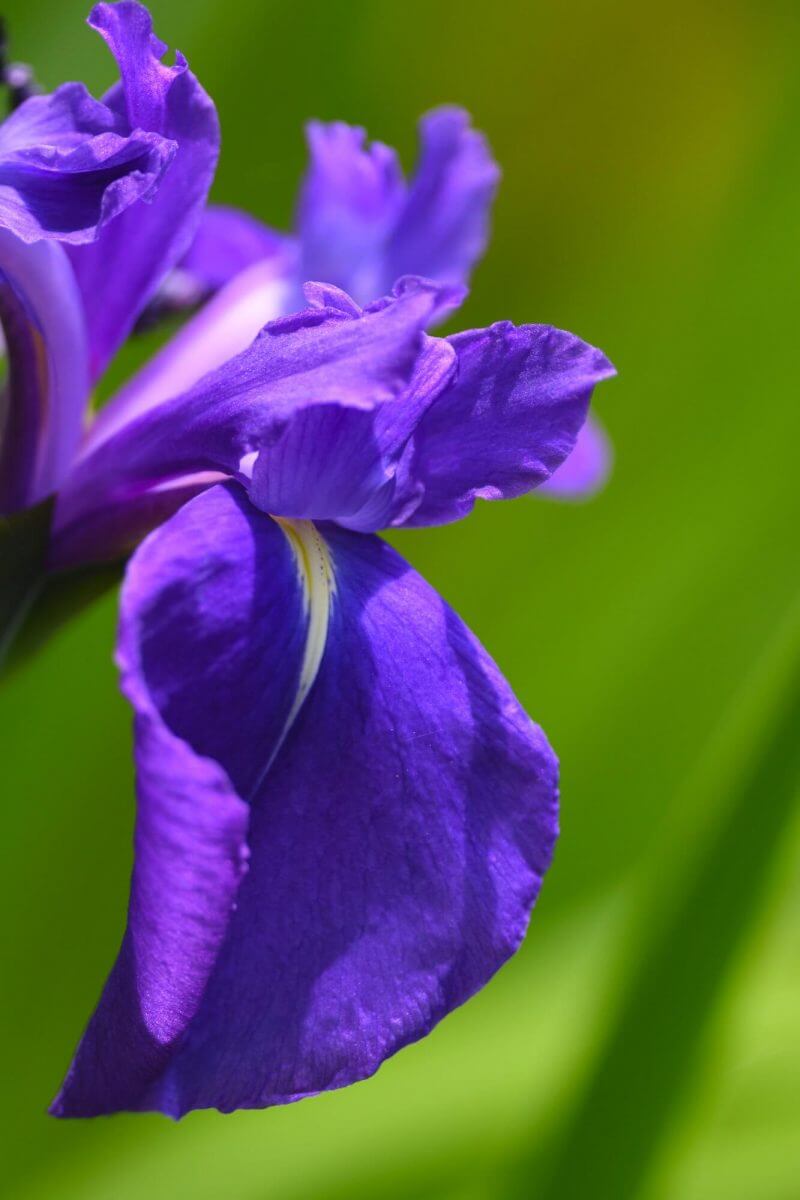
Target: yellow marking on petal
x,y
315,569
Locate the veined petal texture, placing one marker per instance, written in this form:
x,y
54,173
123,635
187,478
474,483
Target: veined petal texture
x,y
330,355
69,164
396,840
509,419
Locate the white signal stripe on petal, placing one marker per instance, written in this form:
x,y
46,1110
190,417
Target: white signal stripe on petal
x,y
315,569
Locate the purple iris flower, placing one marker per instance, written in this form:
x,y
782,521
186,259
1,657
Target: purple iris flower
x,y
344,815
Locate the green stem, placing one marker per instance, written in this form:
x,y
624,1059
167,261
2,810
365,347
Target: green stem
x,y
33,604
23,550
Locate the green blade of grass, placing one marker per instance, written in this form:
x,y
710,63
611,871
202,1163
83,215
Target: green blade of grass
x,y
648,1060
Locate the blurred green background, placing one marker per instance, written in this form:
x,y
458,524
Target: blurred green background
x,y
646,1040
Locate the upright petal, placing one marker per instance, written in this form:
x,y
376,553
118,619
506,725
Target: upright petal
x,y
44,396
362,228
444,225
586,469
397,839
350,202
330,355
69,165
509,419
120,272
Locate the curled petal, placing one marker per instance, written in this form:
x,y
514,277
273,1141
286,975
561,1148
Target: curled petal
x,y
324,462
339,462
397,838
190,854
322,356
61,121
43,399
121,271
508,420
69,165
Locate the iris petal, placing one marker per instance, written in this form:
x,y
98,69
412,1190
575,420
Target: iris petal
x,y
43,399
362,227
227,242
223,328
508,420
586,469
444,226
321,357
184,651
69,164
120,272
396,842
350,202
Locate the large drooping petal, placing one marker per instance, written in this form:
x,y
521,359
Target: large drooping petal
x,y
45,392
328,355
397,839
444,225
508,420
586,469
122,269
69,164
350,202
189,638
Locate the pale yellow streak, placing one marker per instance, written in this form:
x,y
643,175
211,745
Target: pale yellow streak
x,y
315,569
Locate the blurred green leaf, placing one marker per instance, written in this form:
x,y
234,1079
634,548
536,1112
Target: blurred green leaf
x,y
650,1056
23,551
34,605
56,600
